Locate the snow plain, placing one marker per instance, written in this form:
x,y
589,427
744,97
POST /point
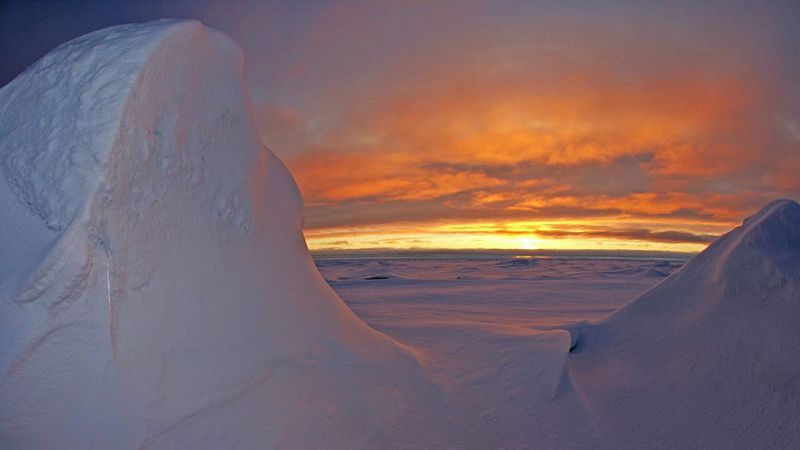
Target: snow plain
x,y
156,292
393,293
487,330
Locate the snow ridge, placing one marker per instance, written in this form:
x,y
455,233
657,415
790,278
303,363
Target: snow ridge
x,y
63,151
706,355
162,294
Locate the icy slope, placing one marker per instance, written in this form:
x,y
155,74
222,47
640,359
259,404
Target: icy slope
x,y
155,287
708,358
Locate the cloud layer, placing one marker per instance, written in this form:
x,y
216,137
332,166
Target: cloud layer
x,y
517,116
510,124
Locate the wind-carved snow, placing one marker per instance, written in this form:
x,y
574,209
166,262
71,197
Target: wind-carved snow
x,y
67,161
161,294
156,292
707,357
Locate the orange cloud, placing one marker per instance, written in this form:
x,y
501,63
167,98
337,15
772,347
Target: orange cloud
x,y
566,121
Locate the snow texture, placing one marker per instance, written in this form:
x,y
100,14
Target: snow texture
x,y
156,292
491,333
707,358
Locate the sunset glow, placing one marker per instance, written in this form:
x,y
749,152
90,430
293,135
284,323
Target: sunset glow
x,y
513,124
624,235
643,130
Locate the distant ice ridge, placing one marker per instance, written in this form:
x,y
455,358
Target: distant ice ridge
x,y
155,287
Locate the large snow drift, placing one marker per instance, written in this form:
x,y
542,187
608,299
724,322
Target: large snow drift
x,y
708,358
155,287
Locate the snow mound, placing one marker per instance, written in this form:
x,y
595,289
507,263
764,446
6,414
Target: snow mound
x,y
156,290
709,355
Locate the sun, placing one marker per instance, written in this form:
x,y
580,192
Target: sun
x,y
527,243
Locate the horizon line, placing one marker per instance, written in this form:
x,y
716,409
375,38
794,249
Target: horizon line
x,y
498,251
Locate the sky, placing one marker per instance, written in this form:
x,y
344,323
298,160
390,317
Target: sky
x,y
507,124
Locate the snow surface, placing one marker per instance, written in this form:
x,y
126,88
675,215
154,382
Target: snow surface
x,y
394,293
709,357
156,292
484,329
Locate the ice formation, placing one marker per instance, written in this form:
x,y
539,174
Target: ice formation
x,y
708,358
155,287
